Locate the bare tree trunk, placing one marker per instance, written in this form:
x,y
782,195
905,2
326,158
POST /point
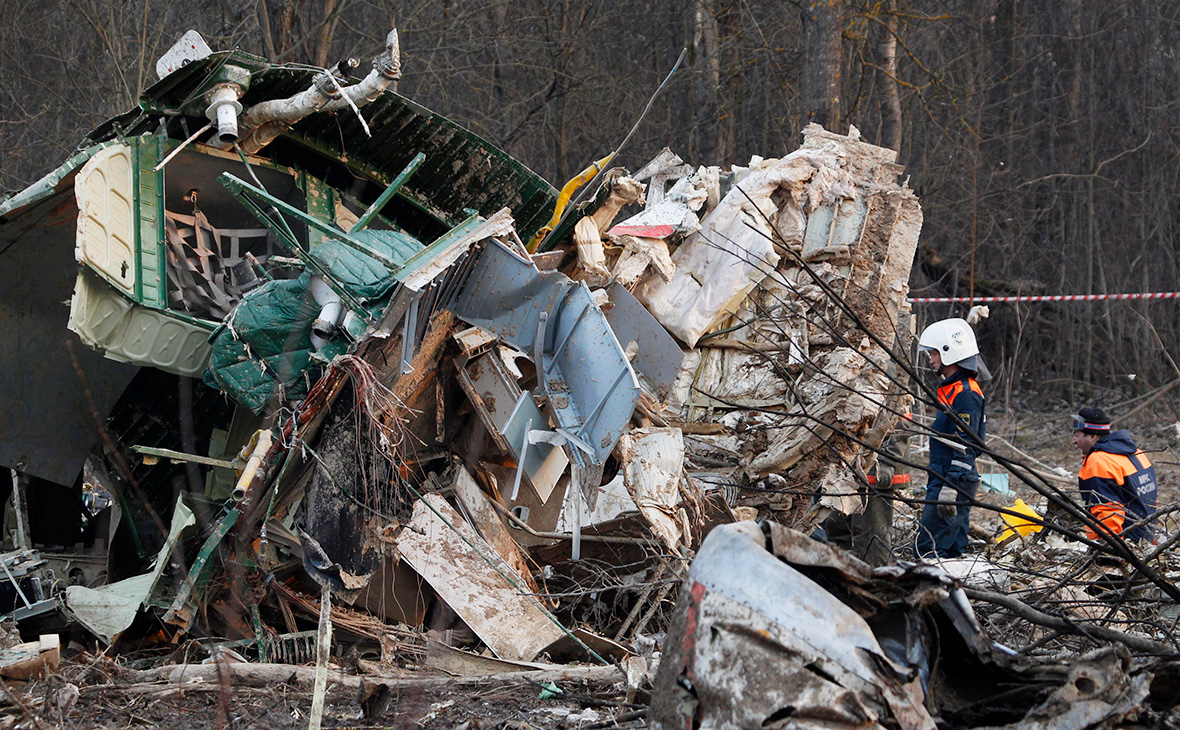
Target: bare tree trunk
x,y
708,86
563,64
887,80
326,32
268,39
823,26
729,92
285,37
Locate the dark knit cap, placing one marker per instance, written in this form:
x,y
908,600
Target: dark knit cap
x,y
1093,421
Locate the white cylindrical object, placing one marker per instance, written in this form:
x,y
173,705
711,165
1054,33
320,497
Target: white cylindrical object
x,y
321,292
325,323
224,109
227,123
261,447
331,310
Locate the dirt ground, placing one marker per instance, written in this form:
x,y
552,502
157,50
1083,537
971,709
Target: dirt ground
x,y
83,695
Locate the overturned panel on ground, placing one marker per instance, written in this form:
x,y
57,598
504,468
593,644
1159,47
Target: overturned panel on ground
x,y
475,582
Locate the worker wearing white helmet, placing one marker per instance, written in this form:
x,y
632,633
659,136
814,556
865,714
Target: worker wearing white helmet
x,y
952,478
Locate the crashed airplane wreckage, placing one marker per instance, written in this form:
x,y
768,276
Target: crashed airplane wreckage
x,y
325,343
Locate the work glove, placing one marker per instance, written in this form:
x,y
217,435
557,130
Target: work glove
x,y
947,508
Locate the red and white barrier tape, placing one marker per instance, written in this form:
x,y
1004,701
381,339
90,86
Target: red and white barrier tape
x,y
1058,298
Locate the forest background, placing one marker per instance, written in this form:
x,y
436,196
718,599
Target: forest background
x,y
1041,136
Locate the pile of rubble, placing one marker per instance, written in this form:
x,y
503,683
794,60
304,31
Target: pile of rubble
x,y
453,423
501,447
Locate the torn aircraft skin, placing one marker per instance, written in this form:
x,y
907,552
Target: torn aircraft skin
x,y
776,630
163,249
150,251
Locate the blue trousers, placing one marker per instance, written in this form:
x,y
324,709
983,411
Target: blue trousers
x,y
937,535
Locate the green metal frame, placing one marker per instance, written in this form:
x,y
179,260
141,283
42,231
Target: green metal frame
x,y
270,211
273,219
193,587
390,191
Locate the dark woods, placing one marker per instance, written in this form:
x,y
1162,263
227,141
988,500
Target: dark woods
x,y
1041,137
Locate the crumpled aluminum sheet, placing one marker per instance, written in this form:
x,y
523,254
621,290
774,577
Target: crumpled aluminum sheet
x,y
757,644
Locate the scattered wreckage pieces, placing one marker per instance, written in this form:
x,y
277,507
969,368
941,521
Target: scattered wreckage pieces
x,y
25,572
508,413
1099,690
588,231
843,400
639,254
805,635
789,294
730,254
490,525
591,255
109,610
31,659
460,663
656,356
652,462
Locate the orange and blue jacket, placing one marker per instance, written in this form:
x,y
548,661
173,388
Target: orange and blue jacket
x,y
961,395
1117,482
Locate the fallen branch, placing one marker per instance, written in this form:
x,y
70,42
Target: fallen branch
x,y
1040,618
1043,470
1152,397
193,676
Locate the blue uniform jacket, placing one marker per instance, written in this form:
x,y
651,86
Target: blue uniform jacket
x,y
961,394
1117,482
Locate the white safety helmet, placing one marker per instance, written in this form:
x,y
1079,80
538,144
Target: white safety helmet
x,y
953,339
